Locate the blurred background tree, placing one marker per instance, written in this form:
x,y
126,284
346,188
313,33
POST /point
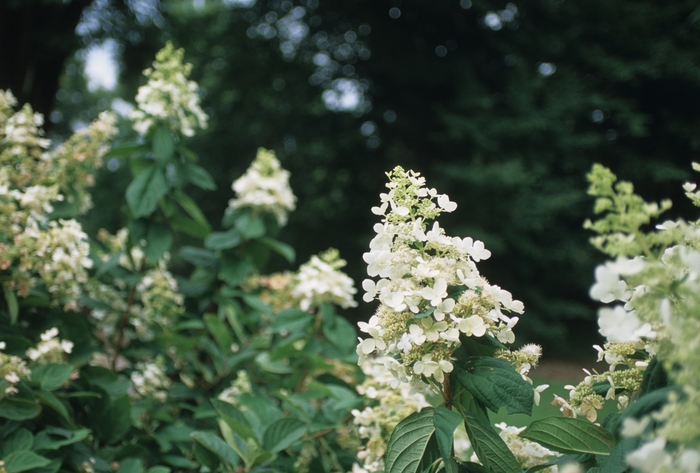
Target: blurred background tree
x,y
504,106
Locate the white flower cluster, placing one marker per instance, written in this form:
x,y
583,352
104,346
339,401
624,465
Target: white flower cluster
x,y
320,280
526,452
168,98
50,349
238,386
265,187
430,290
389,406
12,370
161,301
150,380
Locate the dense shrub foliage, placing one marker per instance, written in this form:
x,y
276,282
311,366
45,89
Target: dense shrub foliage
x,y
109,362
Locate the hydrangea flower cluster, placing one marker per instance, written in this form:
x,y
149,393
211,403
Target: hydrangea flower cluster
x,y
32,181
429,288
161,301
320,280
149,380
50,349
265,187
12,370
168,98
238,386
388,407
655,282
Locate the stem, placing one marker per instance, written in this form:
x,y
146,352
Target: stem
x,y
122,327
447,392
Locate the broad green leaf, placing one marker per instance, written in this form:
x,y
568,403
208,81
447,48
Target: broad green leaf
x,y
159,469
223,240
21,439
52,376
115,421
12,305
219,331
184,224
294,321
24,460
159,238
53,438
654,377
495,383
409,442
250,226
489,446
283,249
216,444
282,434
126,149
616,462
445,422
18,409
234,269
266,363
481,346
144,191
234,418
130,465
199,176
179,462
341,333
163,145
568,435
55,403
198,256
191,207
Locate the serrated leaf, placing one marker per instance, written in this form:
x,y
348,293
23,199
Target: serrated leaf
x,y
445,422
145,190
24,460
282,434
409,442
163,145
489,446
569,435
495,383
12,305
217,445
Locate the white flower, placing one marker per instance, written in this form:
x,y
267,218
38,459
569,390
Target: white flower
x,y
320,280
634,428
538,392
471,326
609,286
618,324
651,457
436,293
446,204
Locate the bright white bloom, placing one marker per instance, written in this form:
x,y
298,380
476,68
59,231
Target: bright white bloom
x,y
50,349
150,380
620,325
168,98
265,186
320,280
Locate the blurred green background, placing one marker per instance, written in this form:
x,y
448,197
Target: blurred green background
x,y
503,105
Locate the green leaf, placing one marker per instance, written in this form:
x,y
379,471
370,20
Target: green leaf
x,y
568,435
184,224
199,176
223,240
234,269
12,305
234,419
145,190
198,256
126,150
409,442
159,239
21,439
481,346
654,377
219,331
216,444
495,383
616,462
114,421
159,469
285,250
191,207
489,446
445,422
53,438
294,321
131,465
52,376
24,460
163,145
250,226
54,403
282,434
266,363
18,409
